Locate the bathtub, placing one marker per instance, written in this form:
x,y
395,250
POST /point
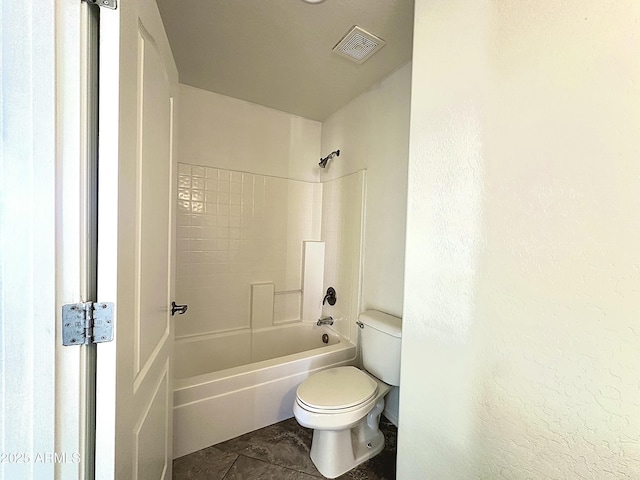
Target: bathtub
x,y
229,384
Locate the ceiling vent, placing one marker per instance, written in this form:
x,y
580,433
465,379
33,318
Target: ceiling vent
x,y
358,45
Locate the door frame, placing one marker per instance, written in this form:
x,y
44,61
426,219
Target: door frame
x,y
76,242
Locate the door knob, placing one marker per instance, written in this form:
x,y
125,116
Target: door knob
x,y
179,309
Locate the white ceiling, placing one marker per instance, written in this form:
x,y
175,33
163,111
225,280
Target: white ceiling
x,y
278,53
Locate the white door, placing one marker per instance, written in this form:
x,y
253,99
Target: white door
x,y
138,81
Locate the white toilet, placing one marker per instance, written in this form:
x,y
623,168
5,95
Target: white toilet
x,y
343,404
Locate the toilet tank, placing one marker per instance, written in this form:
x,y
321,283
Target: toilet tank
x,y
381,337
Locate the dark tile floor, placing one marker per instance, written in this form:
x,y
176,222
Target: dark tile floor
x,y
278,452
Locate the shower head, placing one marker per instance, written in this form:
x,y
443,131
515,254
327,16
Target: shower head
x,y
323,161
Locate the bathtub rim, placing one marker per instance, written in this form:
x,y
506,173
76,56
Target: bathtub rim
x,y
235,331
180,384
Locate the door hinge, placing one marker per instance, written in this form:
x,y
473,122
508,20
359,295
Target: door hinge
x,y
85,323
112,4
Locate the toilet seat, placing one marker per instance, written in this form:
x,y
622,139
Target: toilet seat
x,y
336,389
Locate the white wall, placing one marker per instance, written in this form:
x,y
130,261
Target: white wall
x,y
522,290
223,132
372,133
29,173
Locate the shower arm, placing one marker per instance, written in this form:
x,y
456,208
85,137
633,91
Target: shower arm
x,y
323,161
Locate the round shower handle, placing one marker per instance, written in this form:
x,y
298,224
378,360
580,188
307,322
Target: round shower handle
x,y
330,296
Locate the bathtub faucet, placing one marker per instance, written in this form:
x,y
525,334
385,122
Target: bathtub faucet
x,y
325,321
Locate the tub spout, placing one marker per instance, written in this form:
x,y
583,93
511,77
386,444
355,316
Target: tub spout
x,y
325,321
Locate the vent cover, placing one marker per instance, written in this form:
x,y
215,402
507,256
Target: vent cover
x,y
358,45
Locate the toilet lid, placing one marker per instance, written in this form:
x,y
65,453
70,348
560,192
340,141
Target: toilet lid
x,y
337,388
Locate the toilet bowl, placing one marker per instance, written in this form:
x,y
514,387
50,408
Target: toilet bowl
x,y
343,404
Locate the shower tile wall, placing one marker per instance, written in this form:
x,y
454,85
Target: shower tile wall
x,y
342,221
235,229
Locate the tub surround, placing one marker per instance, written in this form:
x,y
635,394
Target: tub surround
x,y
236,229
312,280
239,232
342,232
262,297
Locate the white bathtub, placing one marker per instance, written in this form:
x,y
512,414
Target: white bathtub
x,y
230,384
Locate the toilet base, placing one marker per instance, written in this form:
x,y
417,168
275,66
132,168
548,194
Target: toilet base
x,y
335,452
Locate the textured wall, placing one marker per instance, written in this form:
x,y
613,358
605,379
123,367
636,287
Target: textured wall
x,y
521,340
38,271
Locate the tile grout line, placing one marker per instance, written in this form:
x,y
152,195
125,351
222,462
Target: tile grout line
x,y
230,467
249,456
